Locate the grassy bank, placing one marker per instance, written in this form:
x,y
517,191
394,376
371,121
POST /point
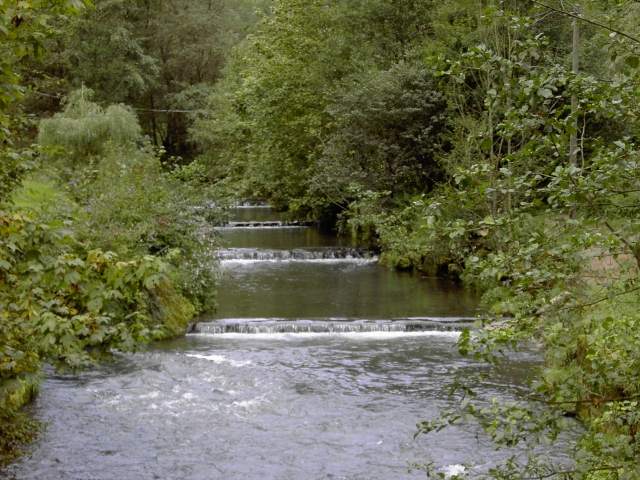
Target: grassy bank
x,y
16,428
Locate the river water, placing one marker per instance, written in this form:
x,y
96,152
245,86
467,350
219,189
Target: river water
x,y
317,365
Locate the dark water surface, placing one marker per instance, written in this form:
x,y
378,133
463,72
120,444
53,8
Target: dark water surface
x,y
275,404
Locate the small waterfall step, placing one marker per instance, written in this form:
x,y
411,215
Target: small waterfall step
x,y
275,325
300,254
251,205
266,224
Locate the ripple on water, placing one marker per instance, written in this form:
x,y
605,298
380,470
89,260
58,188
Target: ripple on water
x,y
322,407
219,359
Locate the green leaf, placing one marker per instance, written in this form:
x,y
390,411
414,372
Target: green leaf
x,y
632,61
545,93
95,305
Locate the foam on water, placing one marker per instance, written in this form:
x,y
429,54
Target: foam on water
x,y
251,261
246,404
154,394
452,470
346,335
219,359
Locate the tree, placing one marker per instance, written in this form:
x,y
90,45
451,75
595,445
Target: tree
x,y
288,78
24,27
155,55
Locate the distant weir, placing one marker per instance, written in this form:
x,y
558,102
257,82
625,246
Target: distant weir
x,y
319,254
266,224
251,205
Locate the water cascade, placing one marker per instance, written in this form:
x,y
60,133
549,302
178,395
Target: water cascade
x,y
265,325
296,254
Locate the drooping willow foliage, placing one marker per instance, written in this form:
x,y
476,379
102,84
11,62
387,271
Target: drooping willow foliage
x,y
85,129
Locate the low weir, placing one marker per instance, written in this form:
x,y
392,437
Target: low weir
x,y
302,254
267,224
266,326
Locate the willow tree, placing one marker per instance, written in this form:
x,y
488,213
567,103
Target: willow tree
x,y
158,56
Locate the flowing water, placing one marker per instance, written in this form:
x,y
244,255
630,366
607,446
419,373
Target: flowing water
x,y
317,365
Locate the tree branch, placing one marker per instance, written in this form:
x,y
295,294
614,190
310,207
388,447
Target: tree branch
x,y
587,20
600,300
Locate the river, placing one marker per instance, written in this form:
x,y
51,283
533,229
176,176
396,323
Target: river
x,y
317,365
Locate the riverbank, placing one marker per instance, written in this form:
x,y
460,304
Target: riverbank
x,y
16,428
170,319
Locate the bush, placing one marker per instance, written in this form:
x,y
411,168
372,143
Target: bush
x,y
130,204
135,208
64,302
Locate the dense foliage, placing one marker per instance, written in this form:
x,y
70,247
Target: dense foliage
x,y
498,145
308,99
102,246
157,56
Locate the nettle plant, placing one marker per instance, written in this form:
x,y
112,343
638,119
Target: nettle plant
x,y
64,303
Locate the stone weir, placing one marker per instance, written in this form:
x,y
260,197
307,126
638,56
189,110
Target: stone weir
x,y
301,254
272,325
267,224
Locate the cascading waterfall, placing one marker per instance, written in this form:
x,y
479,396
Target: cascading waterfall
x,y
321,255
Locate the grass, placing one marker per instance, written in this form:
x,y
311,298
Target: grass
x,y
45,199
